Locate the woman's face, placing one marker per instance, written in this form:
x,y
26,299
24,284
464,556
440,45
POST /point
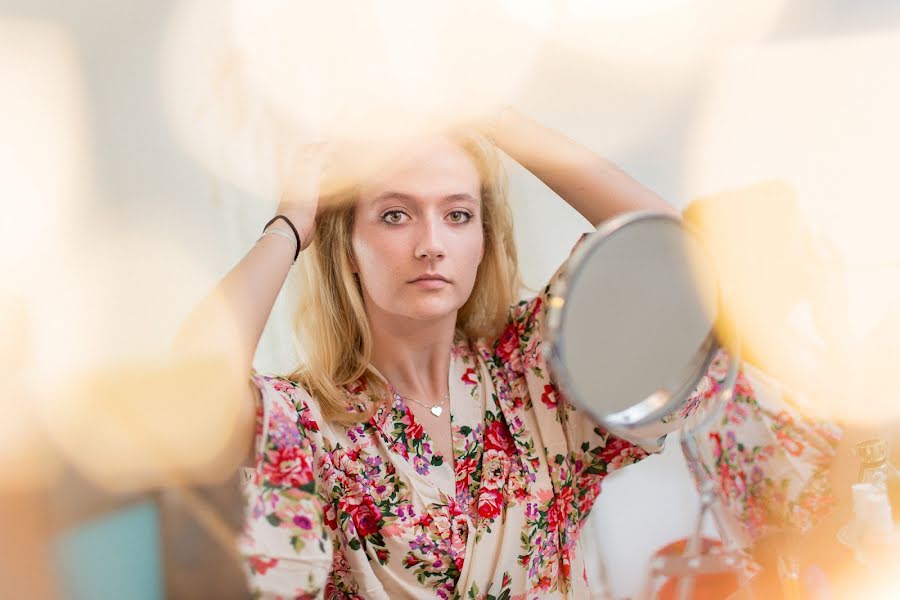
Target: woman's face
x,y
419,217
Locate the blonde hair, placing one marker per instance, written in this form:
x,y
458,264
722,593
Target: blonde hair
x,y
330,322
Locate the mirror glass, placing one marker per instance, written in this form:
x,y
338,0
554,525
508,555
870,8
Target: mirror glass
x,y
631,323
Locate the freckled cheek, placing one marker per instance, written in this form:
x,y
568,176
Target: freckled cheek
x,y
380,260
475,255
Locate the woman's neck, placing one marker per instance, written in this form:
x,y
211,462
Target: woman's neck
x,y
414,356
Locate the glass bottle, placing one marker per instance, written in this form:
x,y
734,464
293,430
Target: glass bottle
x,y
873,533
876,469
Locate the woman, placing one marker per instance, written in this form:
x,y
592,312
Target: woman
x,y
423,450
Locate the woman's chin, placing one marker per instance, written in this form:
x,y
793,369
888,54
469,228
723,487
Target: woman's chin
x,y
432,311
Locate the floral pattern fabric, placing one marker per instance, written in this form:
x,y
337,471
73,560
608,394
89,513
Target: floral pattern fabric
x,y
770,462
373,511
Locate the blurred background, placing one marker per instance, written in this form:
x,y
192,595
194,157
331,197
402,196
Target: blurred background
x,y
138,143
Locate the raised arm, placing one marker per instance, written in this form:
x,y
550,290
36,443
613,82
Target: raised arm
x,y
593,186
229,322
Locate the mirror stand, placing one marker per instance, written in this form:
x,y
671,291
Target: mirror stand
x,y
725,562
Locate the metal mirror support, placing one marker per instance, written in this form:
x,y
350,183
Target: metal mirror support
x,y
632,331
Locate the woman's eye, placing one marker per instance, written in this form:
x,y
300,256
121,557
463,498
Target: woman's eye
x,y
460,216
393,217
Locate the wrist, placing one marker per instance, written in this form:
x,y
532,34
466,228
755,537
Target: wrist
x,y
282,225
299,218
297,214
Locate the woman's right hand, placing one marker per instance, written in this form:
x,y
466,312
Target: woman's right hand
x,y
299,172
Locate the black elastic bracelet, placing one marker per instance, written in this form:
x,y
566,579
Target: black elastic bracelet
x,y
294,229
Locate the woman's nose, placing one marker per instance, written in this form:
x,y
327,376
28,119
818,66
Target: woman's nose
x,y
430,244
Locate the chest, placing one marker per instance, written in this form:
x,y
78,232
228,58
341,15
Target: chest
x,y
437,430
414,494
408,454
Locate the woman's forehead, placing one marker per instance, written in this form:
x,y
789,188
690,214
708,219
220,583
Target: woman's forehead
x,y
429,168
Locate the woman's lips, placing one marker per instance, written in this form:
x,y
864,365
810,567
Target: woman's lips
x,y
430,284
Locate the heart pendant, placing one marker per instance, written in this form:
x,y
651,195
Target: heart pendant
x,y
436,410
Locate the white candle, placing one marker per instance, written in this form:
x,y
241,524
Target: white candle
x,y
872,508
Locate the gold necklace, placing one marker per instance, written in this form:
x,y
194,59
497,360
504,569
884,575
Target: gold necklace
x,y
436,409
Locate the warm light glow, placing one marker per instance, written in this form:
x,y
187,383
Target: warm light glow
x,y
27,461
236,74
84,309
135,425
328,65
42,156
650,53
120,295
661,35
817,263
879,582
885,591
43,166
222,122
87,308
116,409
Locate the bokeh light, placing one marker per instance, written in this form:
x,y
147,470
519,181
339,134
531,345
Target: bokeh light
x,y
238,74
87,306
43,163
664,37
119,408
136,425
27,460
819,118
43,167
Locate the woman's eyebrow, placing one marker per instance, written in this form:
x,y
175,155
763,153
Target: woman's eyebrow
x,y
393,196
457,197
390,195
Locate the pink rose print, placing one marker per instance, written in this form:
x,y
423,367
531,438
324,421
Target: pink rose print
x,y
614,447
495,469
306,422
489,502
330,516
414,430
792,446
549,396
287,466
553,517
508,344
282,386
497,437
261,565
365,515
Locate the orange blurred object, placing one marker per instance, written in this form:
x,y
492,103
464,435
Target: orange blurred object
x,y
707,586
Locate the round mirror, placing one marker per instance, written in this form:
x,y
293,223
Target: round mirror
x,y
632,324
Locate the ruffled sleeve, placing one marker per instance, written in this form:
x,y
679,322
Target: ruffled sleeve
x,y
285,542
771,463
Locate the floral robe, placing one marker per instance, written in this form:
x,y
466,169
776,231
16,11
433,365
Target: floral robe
x,y
373,511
